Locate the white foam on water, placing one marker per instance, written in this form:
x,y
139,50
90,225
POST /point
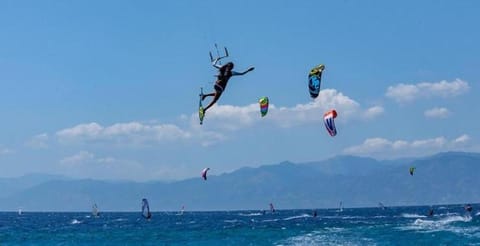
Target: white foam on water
x,y
443,224
250,214
298,217
407,215
323,238
272,220
74,222
231,221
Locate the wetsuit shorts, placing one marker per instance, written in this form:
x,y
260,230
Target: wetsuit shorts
x,y
218,88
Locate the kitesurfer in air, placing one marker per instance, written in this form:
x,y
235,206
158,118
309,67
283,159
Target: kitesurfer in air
x,y
225,72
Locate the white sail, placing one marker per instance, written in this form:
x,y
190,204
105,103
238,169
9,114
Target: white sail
x,y
95,211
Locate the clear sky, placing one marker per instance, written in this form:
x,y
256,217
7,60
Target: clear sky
x,y
109,89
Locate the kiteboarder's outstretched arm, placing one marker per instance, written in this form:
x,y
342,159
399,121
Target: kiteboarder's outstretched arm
x,y
244,72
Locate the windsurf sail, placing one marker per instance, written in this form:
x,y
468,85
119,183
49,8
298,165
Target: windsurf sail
x,y
315,80
263,106
340,207
95,212
272,208
204,173
381,206
328,119
146,209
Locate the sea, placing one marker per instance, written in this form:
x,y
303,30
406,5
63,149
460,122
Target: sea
x,y
449,225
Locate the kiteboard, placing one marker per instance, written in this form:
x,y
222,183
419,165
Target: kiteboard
x,y
201,111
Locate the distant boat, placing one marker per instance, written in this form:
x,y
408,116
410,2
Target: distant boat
x,y
95,212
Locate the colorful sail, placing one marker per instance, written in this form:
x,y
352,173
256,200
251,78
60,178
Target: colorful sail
x,y
263,106
315,80
328,119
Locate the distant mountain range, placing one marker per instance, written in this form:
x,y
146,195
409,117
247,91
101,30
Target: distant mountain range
x,y
443,178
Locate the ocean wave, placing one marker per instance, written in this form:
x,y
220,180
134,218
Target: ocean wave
x,y
298,217
322,238
232,221
271,220
407,215
443,221
250,214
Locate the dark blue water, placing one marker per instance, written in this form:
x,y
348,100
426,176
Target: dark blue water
x,y
450,225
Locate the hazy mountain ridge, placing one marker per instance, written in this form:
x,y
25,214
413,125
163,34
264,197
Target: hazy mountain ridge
x,y
449,177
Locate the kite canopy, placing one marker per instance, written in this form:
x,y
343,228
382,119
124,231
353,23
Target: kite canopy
x,y
328,119
315,80
263,106
204,173
412,170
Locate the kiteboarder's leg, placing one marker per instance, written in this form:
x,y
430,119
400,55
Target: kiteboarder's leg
x,y
214,100
216,95
207,95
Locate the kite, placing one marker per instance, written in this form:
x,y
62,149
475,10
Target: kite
x,y
315,80
263,106
204,173
328,119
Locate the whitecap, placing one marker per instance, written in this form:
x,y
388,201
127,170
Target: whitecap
x,y
407,215
250,214
298,217
74,222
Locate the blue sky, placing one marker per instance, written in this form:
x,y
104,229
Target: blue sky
x,y
109,89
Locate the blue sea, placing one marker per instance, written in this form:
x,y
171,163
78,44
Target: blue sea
x,y
450,225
